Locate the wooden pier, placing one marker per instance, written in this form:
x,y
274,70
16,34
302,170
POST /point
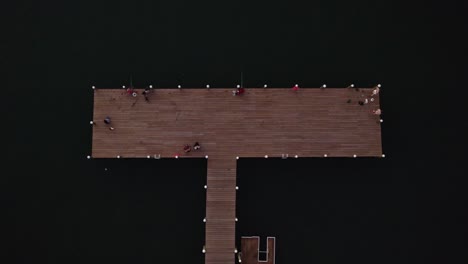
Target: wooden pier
x,y
260,123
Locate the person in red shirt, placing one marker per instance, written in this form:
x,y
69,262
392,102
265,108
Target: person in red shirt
x,y
187,148
295,88
132,92
239,91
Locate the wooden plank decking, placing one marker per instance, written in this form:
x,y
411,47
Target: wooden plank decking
x,y
307,123
220,211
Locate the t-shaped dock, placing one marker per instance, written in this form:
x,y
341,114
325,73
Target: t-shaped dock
x,y
270,123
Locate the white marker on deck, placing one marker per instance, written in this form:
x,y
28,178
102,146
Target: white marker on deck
x,y
352,85
296,156
266,156
88,157
91,122
93,87
178,86
205,186
235,250
206,156
325,155
148,156
237,157
204,220
354,155
207,86
383,155
123,86
238,86
236,219
265,86
324,86
237,187
378,85
151,86
203,250
381,120
118,156
176,157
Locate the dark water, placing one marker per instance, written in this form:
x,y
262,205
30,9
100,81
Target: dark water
x,y
59,207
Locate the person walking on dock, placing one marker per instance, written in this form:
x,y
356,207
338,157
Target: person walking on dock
x,y
107,121
132,92
187,148
295,88
377,112
375,91
146,93
196,146
238,91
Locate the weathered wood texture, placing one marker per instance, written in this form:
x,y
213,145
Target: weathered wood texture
x,y
308,123
220,211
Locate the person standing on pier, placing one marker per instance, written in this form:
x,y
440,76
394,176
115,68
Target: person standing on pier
x,y
295,88
238,91
377,112
375,91
187,148
146,93
107,121
131,92
196,146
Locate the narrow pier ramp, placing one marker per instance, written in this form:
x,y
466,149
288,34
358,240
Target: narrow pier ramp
x,y
220,211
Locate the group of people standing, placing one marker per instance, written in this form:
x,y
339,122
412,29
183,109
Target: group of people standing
x,y
369,99
375,92
145,93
